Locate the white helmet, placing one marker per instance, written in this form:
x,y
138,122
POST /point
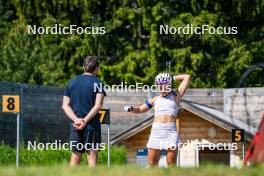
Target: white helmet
x,y
163,78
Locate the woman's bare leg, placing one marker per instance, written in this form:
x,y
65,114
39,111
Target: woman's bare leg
x,y
171,155
153,156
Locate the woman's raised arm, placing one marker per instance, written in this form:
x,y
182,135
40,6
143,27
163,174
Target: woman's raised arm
x,y
184,84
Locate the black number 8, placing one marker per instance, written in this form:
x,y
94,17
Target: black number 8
x,y
10,105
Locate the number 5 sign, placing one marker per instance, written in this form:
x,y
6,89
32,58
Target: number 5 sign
x,y
11,103
238,135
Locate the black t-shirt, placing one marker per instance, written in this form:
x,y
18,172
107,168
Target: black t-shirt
x,y
82,92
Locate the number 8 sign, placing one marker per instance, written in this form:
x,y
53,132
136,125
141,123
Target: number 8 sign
x,y
11,103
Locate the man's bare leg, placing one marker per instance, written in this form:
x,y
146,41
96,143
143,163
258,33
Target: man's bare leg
x,y
92,156
76,158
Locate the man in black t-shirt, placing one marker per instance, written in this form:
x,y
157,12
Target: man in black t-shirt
x,y
82,100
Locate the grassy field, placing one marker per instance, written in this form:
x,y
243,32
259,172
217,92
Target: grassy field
x,y
129,170
55,157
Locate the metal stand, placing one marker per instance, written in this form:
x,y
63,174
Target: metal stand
x,y
178,157
108,143
243,150
17,142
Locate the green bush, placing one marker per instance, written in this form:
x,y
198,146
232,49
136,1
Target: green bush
x,y
132,50
7,155
118,155
52,157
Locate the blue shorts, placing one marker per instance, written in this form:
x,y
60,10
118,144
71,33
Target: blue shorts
x,y
85,139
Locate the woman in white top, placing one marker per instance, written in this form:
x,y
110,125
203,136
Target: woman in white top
x,y
164,134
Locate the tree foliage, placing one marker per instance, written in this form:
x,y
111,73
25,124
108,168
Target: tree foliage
x,y
132,49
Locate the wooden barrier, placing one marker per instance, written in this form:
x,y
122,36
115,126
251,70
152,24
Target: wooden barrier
x,y
42,118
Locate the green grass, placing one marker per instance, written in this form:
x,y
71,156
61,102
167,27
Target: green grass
x,y
129,170
55,157
56,163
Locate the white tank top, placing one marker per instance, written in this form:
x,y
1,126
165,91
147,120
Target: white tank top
x,y
166,106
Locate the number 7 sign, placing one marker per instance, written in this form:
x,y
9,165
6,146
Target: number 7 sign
x,y
104,115
11,103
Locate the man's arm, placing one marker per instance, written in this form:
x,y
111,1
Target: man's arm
x,y
68,110
97,106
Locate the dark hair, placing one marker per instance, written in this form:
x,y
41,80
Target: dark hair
x,y
90,63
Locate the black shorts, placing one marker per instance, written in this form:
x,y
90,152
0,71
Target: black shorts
x,y
84,140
